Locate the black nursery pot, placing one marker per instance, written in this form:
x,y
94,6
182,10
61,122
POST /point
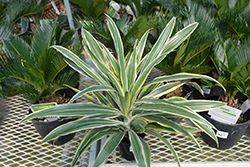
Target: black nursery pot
x,y
228,134
125,148
44,128
215,93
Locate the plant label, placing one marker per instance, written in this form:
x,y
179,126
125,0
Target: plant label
x,y
225,114
222,134
37,107
245,106
112,12
206,91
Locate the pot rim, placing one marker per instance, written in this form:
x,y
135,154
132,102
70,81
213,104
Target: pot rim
x,y
237,124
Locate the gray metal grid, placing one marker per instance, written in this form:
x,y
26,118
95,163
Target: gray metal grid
x,y
21,145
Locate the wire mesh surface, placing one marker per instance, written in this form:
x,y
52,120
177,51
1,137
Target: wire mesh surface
x,y
21,145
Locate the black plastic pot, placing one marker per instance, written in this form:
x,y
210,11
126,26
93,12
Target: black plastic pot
x,y
125,148
215,93
228,134
125,151
44,128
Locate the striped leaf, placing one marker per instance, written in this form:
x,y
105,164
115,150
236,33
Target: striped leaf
x,y
182,76
169,145
169,108
82,66
89,138
93,88
140,150
109,146
168,123
119,50
162,90
74,109
80,124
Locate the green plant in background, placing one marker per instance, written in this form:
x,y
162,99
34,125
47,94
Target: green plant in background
x,y
233,18
232,63
11,11
129,106
141,7
130,31
32,69
192,55
90,8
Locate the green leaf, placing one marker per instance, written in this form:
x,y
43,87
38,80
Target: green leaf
x,y
119,50
197,87
157,49
93,46
207,129
83,68
155,52
140,47
182,76
141,154
179,37
169,145
89,138
126,103
147,89
113,62
116,82
155,126
168,123
139,124
131,69
169,108
93,88
162,90
109,146
146,152
74,109
86,96
80,124
200,105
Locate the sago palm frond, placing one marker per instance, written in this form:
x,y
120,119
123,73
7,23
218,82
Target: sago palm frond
x,y
198,45
36,66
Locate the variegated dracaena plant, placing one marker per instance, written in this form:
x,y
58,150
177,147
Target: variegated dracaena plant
x,y
130,106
